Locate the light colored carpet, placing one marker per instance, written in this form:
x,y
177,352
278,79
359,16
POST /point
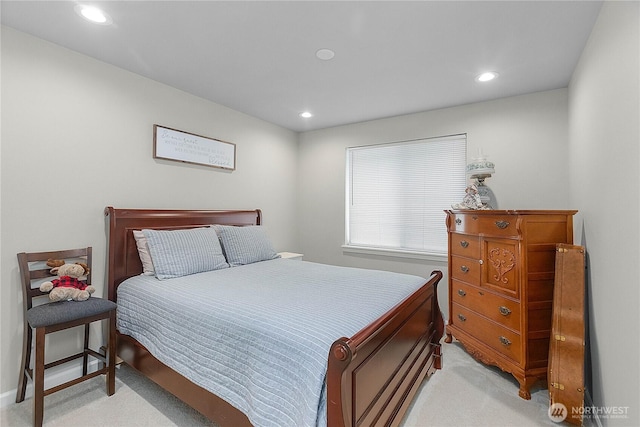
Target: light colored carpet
x,y
468,393
463,393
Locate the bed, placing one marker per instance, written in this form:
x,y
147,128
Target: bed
x,y
369,376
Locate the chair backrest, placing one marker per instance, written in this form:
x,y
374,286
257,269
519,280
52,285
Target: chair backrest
x,y
34,270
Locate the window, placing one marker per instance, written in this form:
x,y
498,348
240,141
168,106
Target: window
x,y
396,194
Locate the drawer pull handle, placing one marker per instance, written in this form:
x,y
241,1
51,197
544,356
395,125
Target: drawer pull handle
x,y
504,341
461,293
458,221
504,310
464,243
464,268
462,318
502,224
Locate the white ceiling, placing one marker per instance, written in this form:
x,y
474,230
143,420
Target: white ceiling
x,y
391,57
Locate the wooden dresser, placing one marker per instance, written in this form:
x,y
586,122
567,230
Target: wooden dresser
x,y
501,275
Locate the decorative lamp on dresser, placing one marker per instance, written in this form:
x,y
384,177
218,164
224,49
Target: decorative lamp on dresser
x,y
501,276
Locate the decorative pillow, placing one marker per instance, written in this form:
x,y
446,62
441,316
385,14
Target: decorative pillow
x,y
178,253
245,245
143,253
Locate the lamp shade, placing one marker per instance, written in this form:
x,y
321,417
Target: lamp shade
x,y
480,168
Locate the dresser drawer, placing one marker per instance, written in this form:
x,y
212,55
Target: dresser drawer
x,y
465,269
502,310
465,245
487,225
492,334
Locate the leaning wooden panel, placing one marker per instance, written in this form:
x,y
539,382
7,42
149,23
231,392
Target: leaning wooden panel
x,y
566,350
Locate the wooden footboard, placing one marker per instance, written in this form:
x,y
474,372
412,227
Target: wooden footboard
x,y
373,376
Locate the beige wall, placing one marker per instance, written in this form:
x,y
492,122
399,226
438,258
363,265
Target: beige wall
x,y
604,137
77,136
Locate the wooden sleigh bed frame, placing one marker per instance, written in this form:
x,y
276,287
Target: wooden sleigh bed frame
x,y
372,377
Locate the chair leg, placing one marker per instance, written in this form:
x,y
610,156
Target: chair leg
x,y
111,354
85,357
38,379
24,364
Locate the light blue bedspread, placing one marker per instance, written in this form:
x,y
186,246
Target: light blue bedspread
x,y
259,335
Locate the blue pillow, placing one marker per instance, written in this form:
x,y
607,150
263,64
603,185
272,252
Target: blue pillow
x,y
176,253
245,245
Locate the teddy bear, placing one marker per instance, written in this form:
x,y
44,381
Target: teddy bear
x,y
68,285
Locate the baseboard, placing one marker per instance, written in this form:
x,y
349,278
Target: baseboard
x,y
54,376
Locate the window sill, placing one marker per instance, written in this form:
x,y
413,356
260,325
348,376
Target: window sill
x,y
397,253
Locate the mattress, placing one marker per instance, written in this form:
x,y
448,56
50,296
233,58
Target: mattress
x,y
259,335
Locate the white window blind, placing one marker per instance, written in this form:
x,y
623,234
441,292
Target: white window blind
x,y
397,193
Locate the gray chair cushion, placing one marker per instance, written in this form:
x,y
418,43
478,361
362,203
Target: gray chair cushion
x,y
66,311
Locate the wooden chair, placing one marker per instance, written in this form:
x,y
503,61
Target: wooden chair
x,y
56,316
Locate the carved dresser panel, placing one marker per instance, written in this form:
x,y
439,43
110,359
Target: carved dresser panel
x,y
501,276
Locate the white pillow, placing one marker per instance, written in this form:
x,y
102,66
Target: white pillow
x,y
176,253
143,253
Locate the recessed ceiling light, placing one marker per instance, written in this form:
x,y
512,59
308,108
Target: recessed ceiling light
x,y
487,77
306,115
93,14
325,54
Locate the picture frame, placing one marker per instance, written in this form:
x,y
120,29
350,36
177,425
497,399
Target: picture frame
x,y
187,147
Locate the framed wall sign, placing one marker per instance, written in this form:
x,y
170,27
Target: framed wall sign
x,y
186,147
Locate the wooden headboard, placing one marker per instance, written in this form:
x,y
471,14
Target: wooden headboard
x,y
122,256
